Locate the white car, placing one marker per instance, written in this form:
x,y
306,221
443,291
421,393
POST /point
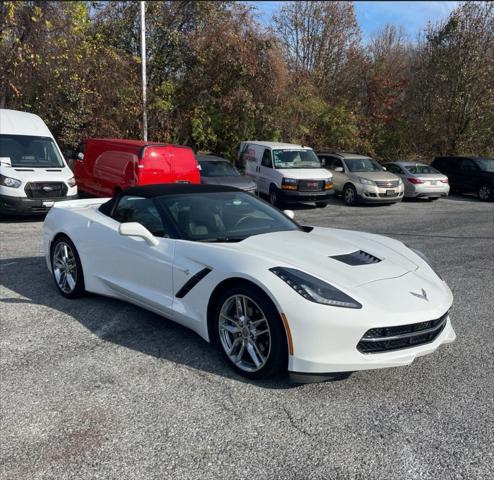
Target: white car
x,y
272,294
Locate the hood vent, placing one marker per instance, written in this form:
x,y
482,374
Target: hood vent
x,y
23,169
53,170
357,258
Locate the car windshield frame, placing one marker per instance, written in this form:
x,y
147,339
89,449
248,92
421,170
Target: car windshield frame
x,y
177,210
311,161
485,162
371,161
408,169
212,163
26,150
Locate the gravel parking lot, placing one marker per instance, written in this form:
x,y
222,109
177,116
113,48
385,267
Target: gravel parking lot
x,y
96,388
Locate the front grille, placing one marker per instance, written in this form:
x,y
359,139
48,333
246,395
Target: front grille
x,y
386,339
310,185
388,184
357,258
46,190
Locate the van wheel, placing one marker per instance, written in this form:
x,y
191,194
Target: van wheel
x,y
350,195
485,193
274,198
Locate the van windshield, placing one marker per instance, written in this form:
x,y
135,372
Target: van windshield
x,y
29,151
295,159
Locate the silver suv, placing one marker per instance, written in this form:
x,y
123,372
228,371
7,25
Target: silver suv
x,y
358,178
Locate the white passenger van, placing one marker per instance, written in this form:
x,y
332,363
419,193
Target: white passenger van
x,y
33,172
286,173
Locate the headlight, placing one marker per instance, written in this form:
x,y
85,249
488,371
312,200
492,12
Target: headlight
x,y
423,256
328,184
10,182
289,184
366,181
71,182
313,289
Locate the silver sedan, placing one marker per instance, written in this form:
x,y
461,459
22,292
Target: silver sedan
x,y
420,180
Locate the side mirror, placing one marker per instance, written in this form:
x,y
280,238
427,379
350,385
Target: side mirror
x,y
289,213
339,169
384,168
134,229
80,156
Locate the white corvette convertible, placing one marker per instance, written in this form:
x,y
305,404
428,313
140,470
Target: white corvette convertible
x,y
271,294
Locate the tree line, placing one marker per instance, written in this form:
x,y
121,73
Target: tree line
x,y
217,76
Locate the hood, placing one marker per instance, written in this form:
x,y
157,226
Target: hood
x,y
376,176
312,253
305,173
243,182
36,174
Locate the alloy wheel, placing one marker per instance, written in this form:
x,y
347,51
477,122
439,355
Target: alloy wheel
x,y
64,267
349,196
244,333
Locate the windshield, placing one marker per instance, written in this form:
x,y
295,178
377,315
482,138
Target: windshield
x,y
223,216
295,159
420,169
486,164
362,165
28,151
217,169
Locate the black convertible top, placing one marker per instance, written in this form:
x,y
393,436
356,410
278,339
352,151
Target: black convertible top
x,y
158,190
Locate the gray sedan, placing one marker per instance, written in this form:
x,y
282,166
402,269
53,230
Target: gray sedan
x,y
218,171
420,180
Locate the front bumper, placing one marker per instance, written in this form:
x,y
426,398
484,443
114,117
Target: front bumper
x,y
294,196
29,206
374,194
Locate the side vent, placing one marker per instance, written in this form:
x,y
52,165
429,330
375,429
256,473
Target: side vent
x,y
357,258
192,282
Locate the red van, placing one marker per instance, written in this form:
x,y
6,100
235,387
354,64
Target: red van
x,y
103,166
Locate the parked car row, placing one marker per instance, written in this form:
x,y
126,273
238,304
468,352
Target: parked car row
x,y
34,173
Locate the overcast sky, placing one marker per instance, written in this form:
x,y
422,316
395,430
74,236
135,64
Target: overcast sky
x,y
413,16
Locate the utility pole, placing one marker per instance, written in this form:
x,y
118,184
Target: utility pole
x,y
143,64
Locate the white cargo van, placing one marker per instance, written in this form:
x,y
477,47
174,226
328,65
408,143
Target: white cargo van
x,y
286,173
33,172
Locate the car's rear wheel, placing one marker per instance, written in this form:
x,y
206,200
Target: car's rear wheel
x,y
350,195
66,267
485,192
250,333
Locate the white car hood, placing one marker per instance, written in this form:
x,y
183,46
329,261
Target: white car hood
x,y
305,173
311,253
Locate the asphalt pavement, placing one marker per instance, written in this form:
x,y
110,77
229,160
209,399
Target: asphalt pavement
x,y
96,388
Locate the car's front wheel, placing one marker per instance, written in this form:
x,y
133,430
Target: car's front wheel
x,y
274,197
66,267
485,193
350,195
250,333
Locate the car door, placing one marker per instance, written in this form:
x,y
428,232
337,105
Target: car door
x,y
265,172
469,172
130,267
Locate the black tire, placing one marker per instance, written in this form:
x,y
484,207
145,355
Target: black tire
x,y
485,192
321,204
79,288
350,195
274,197
433,199
277,358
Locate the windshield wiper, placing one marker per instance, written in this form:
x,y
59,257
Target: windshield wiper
x,y
222,239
